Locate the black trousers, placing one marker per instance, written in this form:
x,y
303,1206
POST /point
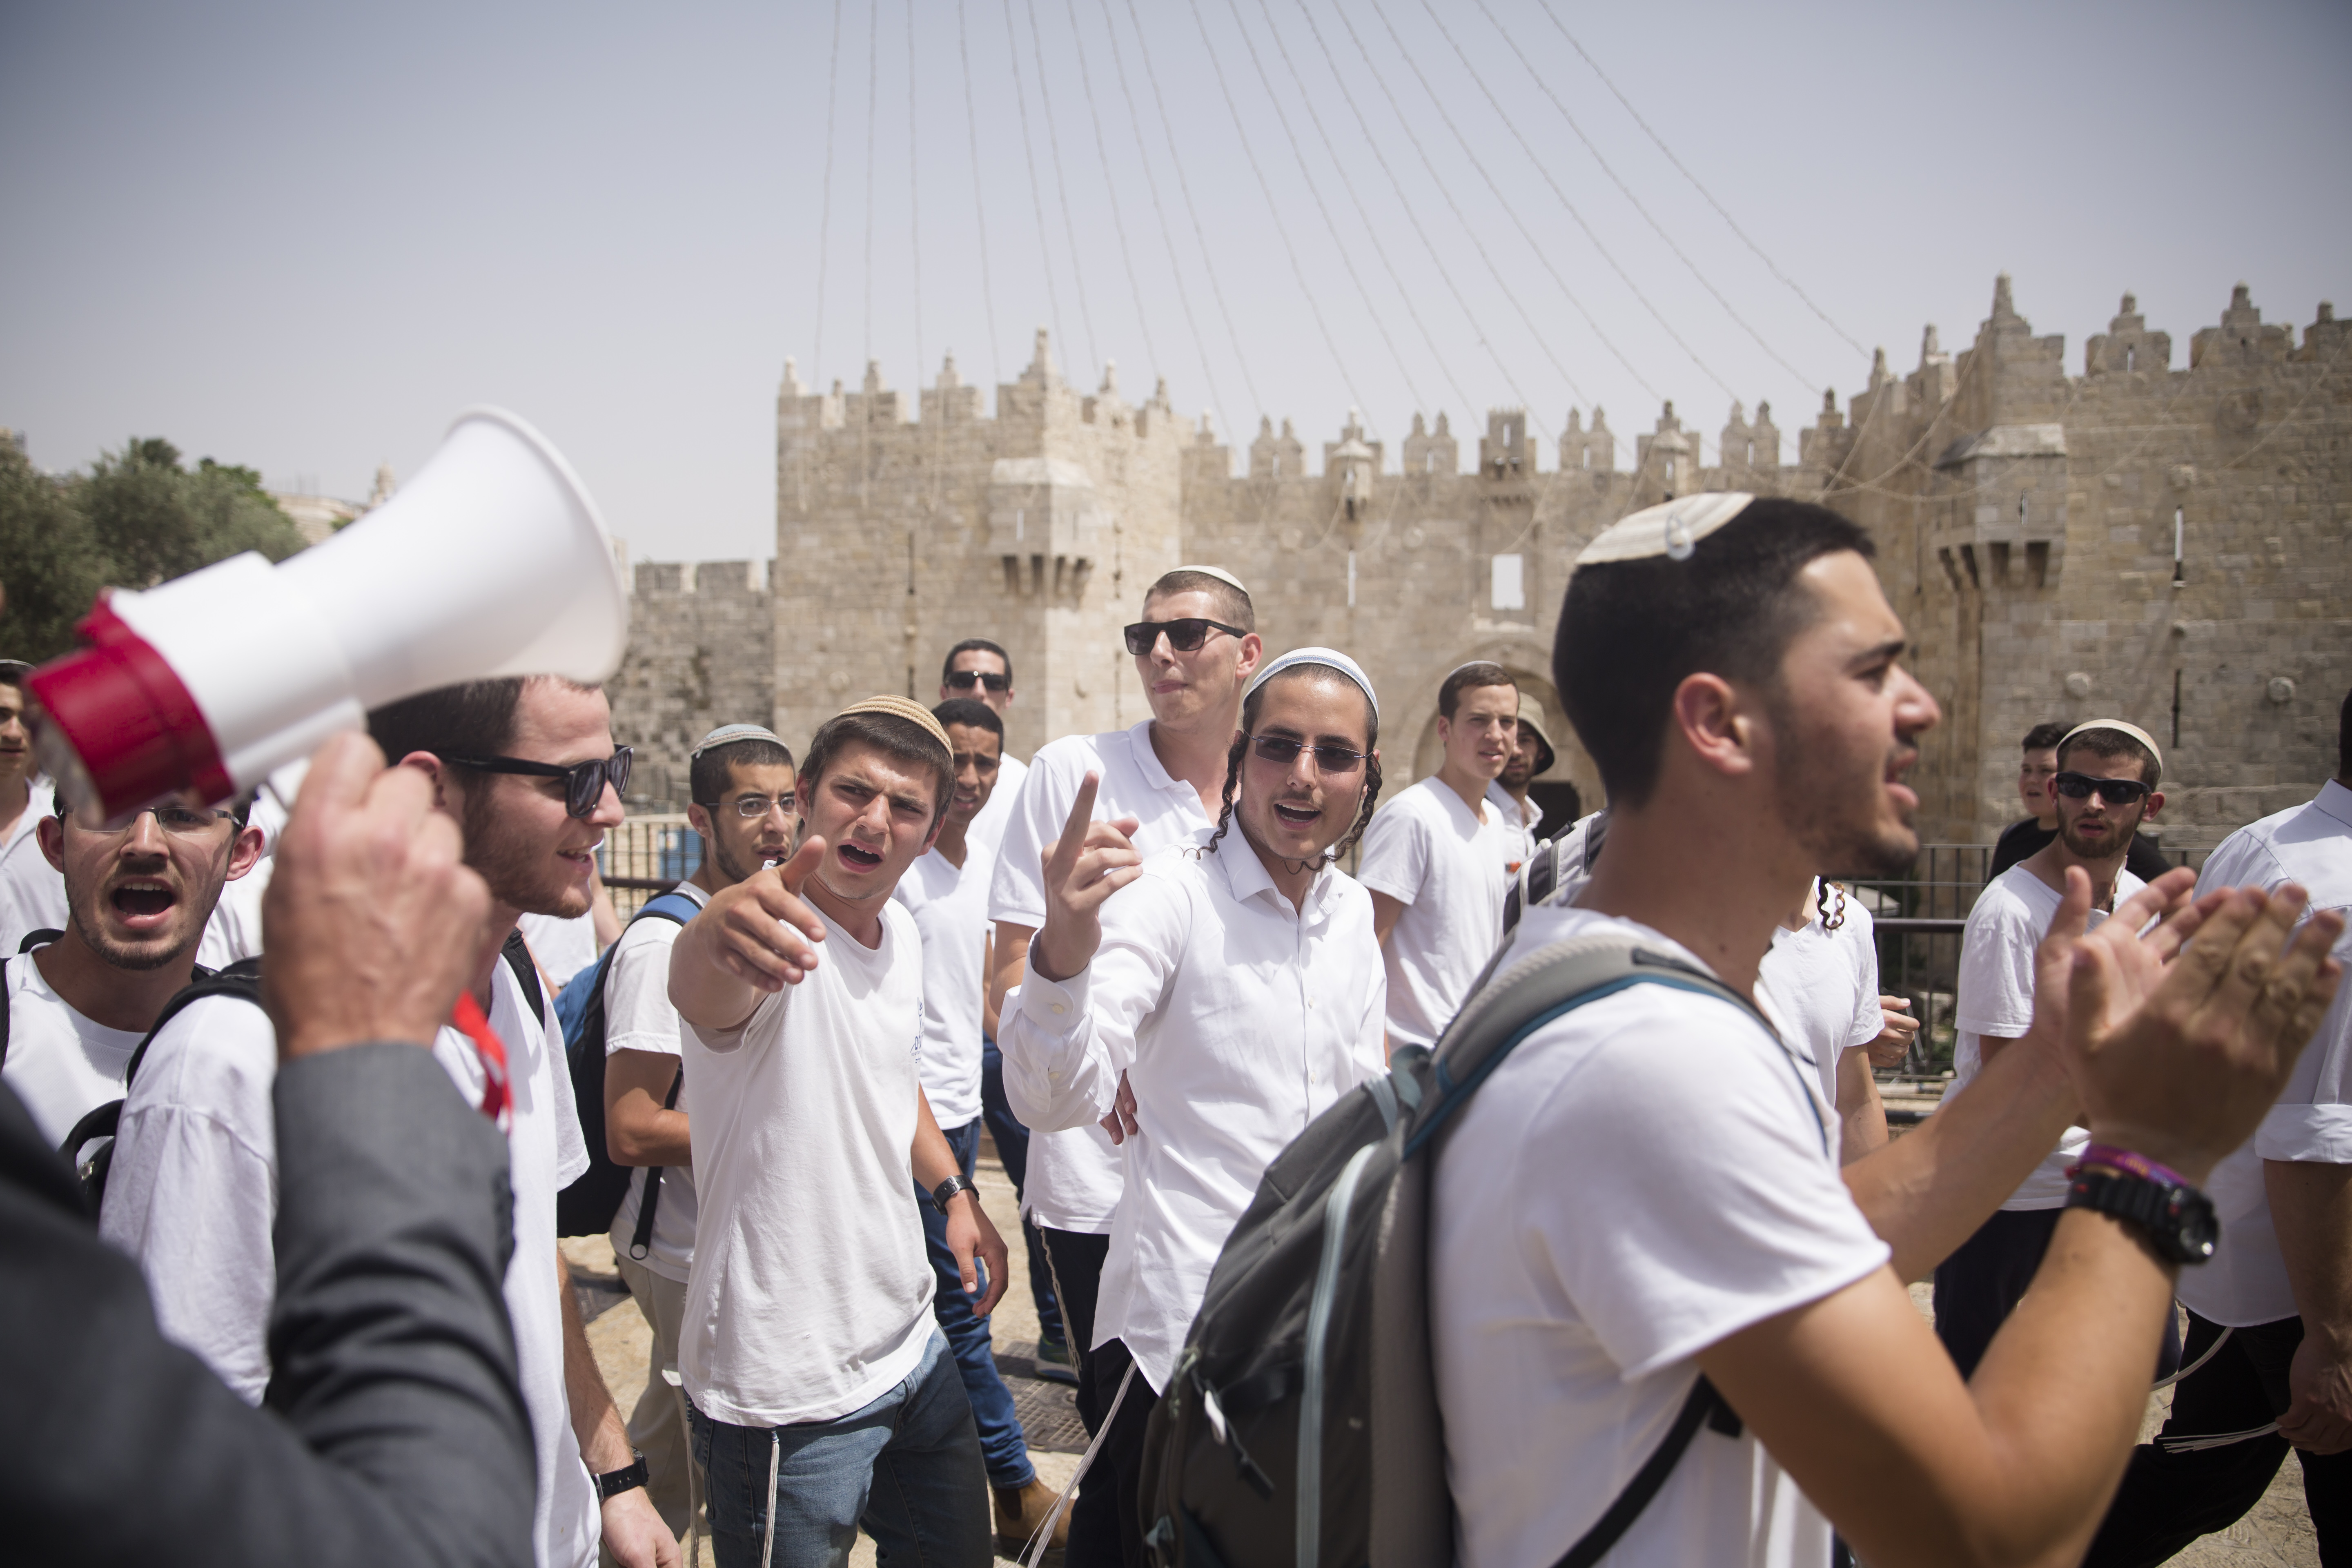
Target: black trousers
x,y
1094,1519
1980,1284
1117,1541
2168,1499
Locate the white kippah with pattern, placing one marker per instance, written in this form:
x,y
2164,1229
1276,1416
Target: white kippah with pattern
x,y
1672,529
1329,659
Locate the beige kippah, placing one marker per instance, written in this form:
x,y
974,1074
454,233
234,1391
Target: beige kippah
x,y
1671,529
2134,730
901,708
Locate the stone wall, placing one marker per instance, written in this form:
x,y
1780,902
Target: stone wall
x,y
2024,518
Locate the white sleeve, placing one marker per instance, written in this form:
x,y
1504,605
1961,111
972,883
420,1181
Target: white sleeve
x,y
1396,854
1869,1019
1016,892
1994,994
638,1012
193,1193
571,1160
1064,1043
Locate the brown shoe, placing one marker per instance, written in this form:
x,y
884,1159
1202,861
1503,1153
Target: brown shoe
x,y
1021,1510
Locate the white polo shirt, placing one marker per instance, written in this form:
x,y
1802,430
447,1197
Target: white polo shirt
x,y
1994,996
1640,1179
32,891
192,1192
1075,1176
546,1154
2246,1283
62,1065
811,1292
1821,988
1521,826
1428,850
638,1017
1237,1020
950,904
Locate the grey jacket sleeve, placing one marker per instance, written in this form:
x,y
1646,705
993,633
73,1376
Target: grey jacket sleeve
x,y
395,1430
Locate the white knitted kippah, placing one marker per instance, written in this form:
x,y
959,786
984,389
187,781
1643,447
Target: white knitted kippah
x,y
1331,659
2134,730
1672,529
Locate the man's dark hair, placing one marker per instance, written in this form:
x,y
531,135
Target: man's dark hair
x,y
2045,737
972,711
1232,603
976,645
1633,631
1469,677
475,719
2115,743
710,775
901,740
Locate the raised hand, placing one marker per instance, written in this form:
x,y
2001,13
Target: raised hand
x,y
1899,1029
2183,1070
373,922
1091,861
759,930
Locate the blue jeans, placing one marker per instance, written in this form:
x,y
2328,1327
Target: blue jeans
x,y
1002,1441
1013,1148
907,1468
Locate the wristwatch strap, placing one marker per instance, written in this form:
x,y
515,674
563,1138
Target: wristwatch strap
x,y
944,1193
613,1483
2178,1219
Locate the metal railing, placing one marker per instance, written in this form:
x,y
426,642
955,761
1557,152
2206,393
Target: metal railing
x,y
647,854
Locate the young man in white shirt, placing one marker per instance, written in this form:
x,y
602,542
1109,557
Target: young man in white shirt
x,y
527,768
824,1397
1228,996
137,897
1646,1189
1818,984
2280,1285
1194,650
946,889
32,897
1993,1002
744,805
1433,859
1522,817
981,671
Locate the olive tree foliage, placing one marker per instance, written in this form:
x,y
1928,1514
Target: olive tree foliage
x,y
137,517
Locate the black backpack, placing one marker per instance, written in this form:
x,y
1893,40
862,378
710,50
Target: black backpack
x,y
586,1208
1301,1423
90,1147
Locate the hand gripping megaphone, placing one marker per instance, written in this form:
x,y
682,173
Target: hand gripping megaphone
x,y
491,562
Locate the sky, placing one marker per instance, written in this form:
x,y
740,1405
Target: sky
x,y
302,237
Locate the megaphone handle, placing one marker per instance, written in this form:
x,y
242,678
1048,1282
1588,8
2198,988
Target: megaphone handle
x,y
492,1051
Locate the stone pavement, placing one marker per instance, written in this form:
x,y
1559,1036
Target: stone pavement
x,y
2275,1534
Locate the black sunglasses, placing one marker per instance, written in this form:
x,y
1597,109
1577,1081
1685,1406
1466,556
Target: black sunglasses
x,y
2115,792
1284,750
584,783
965,679
1185,635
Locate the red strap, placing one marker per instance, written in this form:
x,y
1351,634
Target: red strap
x,y
492,1051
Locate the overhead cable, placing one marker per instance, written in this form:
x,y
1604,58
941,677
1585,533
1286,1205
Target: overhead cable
x,y
979,208
1053,147
1036,193
1110,184
1733,223
825,208
873,99
914,197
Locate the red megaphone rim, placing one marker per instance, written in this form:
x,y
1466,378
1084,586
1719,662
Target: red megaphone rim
x,y
128,720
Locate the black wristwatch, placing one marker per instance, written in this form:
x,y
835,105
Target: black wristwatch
x,y
944,1193
2178,1219
613,1483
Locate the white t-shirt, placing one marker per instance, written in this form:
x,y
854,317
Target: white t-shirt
x,y
1521,826
2246,1283
811,1292
951,910
994,817
546,1153
1641,1179
1821,988
638,1017
234,930
193,1193
1430,852
1076,1176
32,891
61,1065
563,946
1994,996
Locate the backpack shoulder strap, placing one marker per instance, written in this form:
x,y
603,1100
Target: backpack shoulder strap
x,y
41,937
4,1012
516,952
242,980
674,906
1704,1405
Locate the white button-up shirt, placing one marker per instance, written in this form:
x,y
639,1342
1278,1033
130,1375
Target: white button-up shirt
x,y
2246,1281
1237,1020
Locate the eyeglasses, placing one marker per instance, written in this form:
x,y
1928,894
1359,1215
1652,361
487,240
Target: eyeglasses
x,y
965,679
1185,635
752,806
1284,750
2115,792
584,783
180,819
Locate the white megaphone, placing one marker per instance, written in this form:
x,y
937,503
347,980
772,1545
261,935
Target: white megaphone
x,y
491,561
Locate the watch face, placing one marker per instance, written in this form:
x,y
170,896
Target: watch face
x,y
2200,1232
